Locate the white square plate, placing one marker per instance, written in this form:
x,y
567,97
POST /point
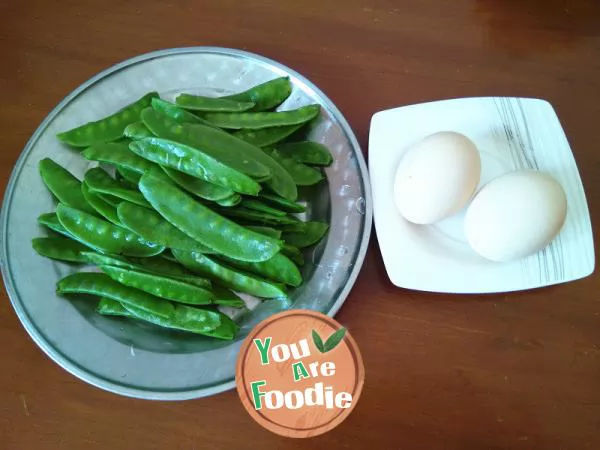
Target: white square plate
x,y
511,134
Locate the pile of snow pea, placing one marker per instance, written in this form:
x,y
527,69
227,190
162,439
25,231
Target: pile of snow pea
x,y
191,203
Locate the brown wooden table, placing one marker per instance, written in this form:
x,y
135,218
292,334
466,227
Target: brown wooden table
x,y
520,370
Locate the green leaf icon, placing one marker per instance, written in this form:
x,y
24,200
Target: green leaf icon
x,y
318,341
331,343
334,340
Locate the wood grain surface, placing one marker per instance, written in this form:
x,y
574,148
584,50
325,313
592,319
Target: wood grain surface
x,y
520,370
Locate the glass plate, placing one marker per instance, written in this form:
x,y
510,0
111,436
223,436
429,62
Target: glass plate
x,y
138,360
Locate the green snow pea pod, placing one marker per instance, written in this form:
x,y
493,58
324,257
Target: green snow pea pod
x,y
267,136
228,202
198,187
203,224
195,163
122,180
267,95
279,268
201,103
283,203
297,227
100,259
50,220
258,217
307,152
108,129
102,183
201,139
129,175
137,130
102,235
153,228
102,285
101,206
210,323
280,181
155,265
293,253
59,248
176,113
258,120
118,154
301,173
159,286
226,297
109,307
311,235
195,280
63,184
250,203
194,320
228,277
267,231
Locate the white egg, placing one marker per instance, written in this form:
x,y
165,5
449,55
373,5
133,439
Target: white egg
x,y
436,177
515,215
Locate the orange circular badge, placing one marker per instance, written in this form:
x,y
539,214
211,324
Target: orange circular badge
x,y
299,373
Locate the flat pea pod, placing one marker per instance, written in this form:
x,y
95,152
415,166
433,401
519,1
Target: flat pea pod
x,y
313,233
279,268
279,181
297,227
129,175
126,183
137,130
226,297
108,129
258,217
202,103
193,320
302,174
101,182
155,264
258,120
307,152
63,184
203,224
50,220
282,203
211,323
195,280
104,236
153,228
109,307
159,286
228,202
118,154
230,278
293,253
176,113
198,187
267,231
267,136
59,248
256,205
200,139
195,163
267,95
104,286
101,206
